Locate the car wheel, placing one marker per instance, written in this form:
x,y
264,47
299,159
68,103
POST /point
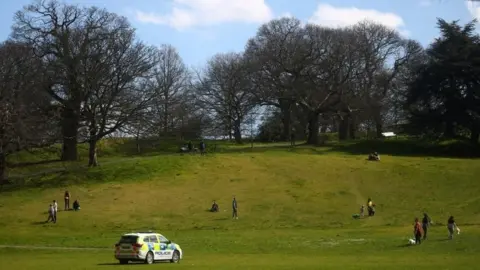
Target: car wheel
x,y
123,261
149,258
175,257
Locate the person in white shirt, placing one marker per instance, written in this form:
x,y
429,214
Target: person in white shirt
x,y
55,210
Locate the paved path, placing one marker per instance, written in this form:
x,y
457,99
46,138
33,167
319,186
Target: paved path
x,y
58,248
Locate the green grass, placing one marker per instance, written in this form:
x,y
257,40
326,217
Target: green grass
x,y
295,210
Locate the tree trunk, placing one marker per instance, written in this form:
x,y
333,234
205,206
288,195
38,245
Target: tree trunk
x,y
449,129
137,142
92,144
313,127
237,134
70,123
286,112
475,135
343,129
3,168
92,153
352,128
378,124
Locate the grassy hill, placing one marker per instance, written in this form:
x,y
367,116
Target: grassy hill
x,y
295,208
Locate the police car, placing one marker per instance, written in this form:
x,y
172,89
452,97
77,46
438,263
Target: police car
x,y
147,247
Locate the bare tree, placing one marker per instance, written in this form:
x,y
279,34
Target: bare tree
x,y
276,58
224,91
171,78
24,107
61,35
116,74
383,52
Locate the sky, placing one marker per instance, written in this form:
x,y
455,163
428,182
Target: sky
x,y
201,28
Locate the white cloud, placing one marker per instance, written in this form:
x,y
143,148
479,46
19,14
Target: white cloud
x,y
425,3
190,13
474,9
331,16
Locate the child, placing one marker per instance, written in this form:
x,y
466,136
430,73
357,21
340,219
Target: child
x,y
362,211
417,231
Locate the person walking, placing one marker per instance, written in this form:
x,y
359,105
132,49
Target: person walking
x,y
426,221
50,214
451,225
55,210
234,208
67,200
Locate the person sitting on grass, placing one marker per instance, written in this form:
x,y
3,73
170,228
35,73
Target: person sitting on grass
x,y
374,156
215,207
76,205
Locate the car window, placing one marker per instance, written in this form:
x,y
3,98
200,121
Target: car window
x,y
146,239
128,239
153,239
162,239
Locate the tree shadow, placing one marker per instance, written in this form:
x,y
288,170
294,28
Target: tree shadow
x,y
411,148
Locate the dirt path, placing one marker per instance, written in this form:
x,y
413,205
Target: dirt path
x,y
57,248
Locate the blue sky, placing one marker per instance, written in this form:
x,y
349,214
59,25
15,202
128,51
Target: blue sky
x,y
201,28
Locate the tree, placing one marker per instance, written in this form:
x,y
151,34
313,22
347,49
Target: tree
x,y
61,36
381,54
171,78
25,115
445,96
224,91
332,62
116,74
274,56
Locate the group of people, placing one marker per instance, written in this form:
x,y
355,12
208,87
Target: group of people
x,y
420,230
53,207
216,208
188,148
370,209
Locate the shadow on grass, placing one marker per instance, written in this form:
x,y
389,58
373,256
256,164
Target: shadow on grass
x,y
130,263
36,223
413,148
25,164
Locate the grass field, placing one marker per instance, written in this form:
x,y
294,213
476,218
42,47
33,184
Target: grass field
x,y
295,210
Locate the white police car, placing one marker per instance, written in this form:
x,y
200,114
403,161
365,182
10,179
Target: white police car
x,y
147,247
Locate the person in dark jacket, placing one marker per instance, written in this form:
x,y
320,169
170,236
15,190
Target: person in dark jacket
x,y
426,221
202,148
234,208
451,225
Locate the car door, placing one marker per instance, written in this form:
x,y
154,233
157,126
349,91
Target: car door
x,y
165,247
155,243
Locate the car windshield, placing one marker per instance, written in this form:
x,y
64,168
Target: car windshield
x,y
128,239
